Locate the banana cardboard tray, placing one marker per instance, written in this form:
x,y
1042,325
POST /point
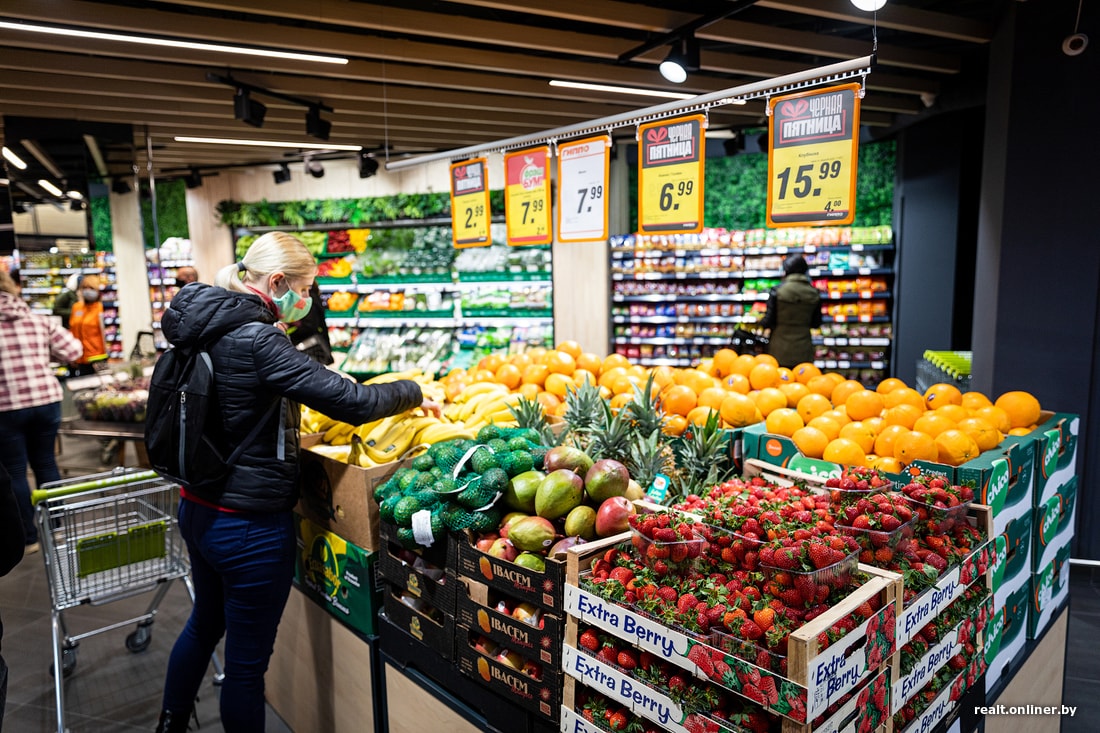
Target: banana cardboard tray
x,y
339,497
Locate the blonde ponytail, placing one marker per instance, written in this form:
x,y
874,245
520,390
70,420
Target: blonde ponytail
x,y
272,252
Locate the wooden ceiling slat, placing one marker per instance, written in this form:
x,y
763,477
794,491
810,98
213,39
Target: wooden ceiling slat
x,y
897,17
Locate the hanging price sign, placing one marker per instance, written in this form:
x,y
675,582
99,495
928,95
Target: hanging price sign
x,y
470,203
527,197
582,189
813,156
670,176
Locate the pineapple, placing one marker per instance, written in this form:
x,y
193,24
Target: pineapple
x,y
704,458
644,411
583,408
529,414
612,438
649,457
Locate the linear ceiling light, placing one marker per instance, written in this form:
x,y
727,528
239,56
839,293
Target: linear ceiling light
x,y
97,154
75,195
46,185
42,157
620,90
266,143
172,43
14,159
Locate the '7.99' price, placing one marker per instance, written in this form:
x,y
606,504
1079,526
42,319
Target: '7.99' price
x,y
592,195
683,188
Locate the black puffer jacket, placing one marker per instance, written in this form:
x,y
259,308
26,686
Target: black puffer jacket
x,y
255,367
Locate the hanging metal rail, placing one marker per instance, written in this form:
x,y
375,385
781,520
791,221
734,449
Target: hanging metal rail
x,y
842,71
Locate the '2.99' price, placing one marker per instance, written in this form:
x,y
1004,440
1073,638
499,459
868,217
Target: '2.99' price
x,y
804,184
472,211
683,188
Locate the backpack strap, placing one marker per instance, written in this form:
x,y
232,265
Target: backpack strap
x,y
252,434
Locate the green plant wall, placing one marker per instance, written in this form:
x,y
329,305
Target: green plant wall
x,y
100,209
171,213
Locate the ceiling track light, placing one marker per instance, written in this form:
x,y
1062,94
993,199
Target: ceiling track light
x,y
282,175
368,166
48,186
869,6
248,110
682,58
317,127
193,179
120,186
14,159
313,167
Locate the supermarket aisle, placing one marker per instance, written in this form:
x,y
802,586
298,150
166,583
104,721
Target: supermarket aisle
x,y
1082,687
110,689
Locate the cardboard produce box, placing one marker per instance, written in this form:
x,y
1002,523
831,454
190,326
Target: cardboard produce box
x,y
1053,525
543,589
1011,562
1049,588
1006,634
542,696
340,497
1055,445
427,573
337,574
478,608
435,630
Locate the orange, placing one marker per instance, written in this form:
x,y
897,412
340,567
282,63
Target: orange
x,y
831,428
766,359
675,425
932,424
821,385
836,377
995,416
622,384
569,347
905,396
723,361
699,415
889,464
874,424
837,415
795,391
974,400
743,365
547,400
956,447
559,362
914,446
530,391
769,399
904,414
763,375
1021,407
812,405
614,360
844,390
738,410
620,401
985,435
491,362
811,441
884,443
559,385
805,371
583,375
845,452
889,385
862,404
1021,431
608,376
535,374
483,375
637,370
697,381
942,394
589,362
859,434
954,413
509,375
680,400
455,387
783,421
786,376
520,360
737,383
663,376
536,353
712,397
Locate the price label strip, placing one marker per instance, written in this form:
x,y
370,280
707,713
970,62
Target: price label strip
x,y
583,167
527,197
470,203
813,156
670,177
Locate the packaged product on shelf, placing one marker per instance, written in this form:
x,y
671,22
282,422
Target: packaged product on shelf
x,y
383,350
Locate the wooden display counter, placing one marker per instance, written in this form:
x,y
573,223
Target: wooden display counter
x,y
1039,681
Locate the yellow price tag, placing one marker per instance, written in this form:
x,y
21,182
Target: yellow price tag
x,y
470,203
813,156
670,176
527,197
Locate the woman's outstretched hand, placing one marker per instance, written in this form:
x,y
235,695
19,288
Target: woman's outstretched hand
x,y
432,408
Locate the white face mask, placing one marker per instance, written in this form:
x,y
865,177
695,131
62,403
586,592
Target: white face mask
x,y
89,295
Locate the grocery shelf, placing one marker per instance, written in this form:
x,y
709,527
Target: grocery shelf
x,y
504,277
510,312
685,340
679,276
846,364
682,319
849,272
507,321
716,298
855,319
53,270
370,287
749,251
845,341
662,361
42,291
410,322
863,295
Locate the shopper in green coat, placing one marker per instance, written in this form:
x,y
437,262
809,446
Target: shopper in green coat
x,y
794,307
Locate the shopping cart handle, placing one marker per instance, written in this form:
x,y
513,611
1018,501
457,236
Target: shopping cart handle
x,y
40,495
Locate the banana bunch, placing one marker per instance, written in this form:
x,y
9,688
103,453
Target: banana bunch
x,y
482,404
431,389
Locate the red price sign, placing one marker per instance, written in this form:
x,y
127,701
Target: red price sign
x,y
470,203
670,176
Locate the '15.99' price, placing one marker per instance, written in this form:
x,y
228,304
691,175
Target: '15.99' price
x,y
683,188
804,184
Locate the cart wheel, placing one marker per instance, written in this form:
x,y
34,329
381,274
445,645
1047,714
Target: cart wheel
x,y
68,663
219,679
139,640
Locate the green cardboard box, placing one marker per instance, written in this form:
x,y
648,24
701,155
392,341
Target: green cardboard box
x,y
1049,588
1053,525
1006,633
1055,445
1003,479
338,575
1011,565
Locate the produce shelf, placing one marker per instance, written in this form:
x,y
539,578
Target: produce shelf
x,y
847,364
403,279
364,287
739,297
509,313
621,252
504,277
855,319
687,340
682,319
845,341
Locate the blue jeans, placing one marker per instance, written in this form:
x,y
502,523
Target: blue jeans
x,y
242,565
29,435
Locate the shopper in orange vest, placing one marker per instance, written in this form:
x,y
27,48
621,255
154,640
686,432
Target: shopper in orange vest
x,y
86,323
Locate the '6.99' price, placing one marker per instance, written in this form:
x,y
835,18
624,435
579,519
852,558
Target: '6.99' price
x,y
804,183
683,188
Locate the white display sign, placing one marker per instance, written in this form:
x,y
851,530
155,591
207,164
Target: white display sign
x,y
583,168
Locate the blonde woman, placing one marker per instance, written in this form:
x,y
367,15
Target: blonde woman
x,y
240,535
86,323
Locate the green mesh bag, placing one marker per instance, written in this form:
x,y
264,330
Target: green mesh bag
x,y
485,521
516,462
423,463
487,433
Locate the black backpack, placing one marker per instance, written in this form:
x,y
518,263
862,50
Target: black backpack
x,y
183,429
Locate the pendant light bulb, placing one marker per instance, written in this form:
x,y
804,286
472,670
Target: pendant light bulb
x,y
869,5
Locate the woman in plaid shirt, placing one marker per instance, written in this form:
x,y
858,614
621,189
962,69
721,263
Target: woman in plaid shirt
x,y
30,396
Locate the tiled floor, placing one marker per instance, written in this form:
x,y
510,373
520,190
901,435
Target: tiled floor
x,y
111,689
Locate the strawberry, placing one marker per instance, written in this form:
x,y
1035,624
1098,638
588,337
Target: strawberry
x,y
589,640
750,630
618,721
764,618
821,556
621,574
865,611
608,655
686,602
627,659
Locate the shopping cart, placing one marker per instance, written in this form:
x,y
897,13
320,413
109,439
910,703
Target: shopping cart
x,y
106,537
